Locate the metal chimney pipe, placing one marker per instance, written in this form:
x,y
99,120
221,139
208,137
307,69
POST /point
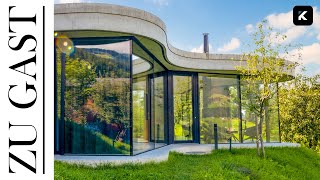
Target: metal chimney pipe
x,y
206,42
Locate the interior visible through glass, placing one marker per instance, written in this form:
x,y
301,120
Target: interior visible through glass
x,y
182,97
141,119
158,109
114,97
219,104
270,126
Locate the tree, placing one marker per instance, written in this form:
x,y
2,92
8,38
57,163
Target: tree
x,y
264,67
300,111
79,79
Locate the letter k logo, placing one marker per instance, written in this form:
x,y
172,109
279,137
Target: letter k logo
x,y
302,15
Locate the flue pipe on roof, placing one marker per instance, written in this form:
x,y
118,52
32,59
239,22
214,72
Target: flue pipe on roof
x,y
206,42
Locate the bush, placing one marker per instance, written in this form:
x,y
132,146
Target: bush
x,y
300,112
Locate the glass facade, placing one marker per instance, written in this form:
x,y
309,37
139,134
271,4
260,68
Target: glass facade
x,y
158,119
182,108
148,102
141,121
270,126
113,97
219,104
96,95
148,114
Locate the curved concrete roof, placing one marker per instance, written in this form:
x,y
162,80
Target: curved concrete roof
x,y
81,19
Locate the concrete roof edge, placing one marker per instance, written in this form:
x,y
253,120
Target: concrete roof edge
x,y
108,9
116,18
68,8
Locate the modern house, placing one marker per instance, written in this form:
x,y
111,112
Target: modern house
x,y
122,89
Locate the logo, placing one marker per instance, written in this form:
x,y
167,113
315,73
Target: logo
x,y
302,15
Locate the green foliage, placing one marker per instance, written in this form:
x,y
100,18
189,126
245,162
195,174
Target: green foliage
x,y
79,79
300,111
182,107
88,80
107,63
219,104
182,100
111,99
263,67
280,163
96,101
139,115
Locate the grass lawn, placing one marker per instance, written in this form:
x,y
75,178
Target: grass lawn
x,y
281,163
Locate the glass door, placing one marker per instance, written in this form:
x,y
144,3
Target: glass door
x,y
182,102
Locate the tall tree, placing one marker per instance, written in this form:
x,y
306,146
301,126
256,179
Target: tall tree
x,y
263,67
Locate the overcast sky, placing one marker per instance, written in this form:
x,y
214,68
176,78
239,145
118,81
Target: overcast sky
x,y
230,23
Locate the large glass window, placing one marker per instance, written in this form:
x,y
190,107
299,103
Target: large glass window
x,y
182,97
148,101
108,100
141,120
111,99
219,104
250,118
158,110
96,95
271,125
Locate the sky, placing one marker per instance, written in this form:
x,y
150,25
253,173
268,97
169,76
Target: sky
x,y
230,24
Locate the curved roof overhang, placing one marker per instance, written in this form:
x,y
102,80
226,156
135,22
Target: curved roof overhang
x,y
78,20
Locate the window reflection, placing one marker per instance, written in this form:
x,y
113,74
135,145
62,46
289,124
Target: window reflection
x,y
106,95
183,121
158,109
97,98
219,105
250,119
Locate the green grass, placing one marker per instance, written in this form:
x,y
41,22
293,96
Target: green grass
x,y
281,163
94,142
